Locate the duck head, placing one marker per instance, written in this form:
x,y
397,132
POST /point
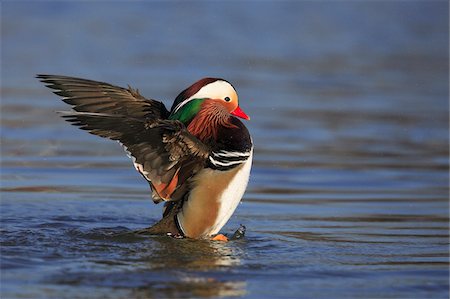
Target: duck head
x,y
212,95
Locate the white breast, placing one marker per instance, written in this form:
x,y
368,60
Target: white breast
x,y
210,205
231,196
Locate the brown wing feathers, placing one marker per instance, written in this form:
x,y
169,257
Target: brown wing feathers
x,y
164,152
99,97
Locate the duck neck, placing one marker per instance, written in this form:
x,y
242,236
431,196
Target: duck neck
x,y
206,123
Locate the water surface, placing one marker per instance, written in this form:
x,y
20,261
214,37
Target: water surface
x,y
348,196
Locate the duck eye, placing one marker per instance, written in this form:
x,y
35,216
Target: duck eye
x,y
227,99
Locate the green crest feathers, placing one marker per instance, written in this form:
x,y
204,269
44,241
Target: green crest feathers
x,y
187,112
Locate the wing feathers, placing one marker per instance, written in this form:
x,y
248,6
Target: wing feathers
x,y
164,152
94,96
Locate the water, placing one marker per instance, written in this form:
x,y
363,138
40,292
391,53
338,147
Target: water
x,y
348,196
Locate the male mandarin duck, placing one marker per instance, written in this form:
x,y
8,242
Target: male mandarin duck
x,y
196,158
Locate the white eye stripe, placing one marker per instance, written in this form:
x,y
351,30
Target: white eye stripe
x,y
228,154
182,104
218,163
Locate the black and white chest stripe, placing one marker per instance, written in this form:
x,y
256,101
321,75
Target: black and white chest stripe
x,y
225,160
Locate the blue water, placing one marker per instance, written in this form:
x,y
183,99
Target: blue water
x,y
349,193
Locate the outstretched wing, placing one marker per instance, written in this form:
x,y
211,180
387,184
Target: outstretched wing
x,y
163,151
99,97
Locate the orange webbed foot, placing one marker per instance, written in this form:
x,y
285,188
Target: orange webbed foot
x,y
220,237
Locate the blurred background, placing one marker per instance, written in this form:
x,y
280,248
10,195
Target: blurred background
x,y
349,115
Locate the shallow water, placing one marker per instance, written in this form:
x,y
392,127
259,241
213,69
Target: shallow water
x,y
348,196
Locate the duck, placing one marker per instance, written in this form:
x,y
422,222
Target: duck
x,y
196,158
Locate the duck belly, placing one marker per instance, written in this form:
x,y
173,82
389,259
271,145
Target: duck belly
x,y
213,199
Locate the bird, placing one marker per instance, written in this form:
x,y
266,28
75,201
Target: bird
x,y
197,157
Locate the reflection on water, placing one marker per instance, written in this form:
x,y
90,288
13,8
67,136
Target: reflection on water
x,y
143,267
196,267
348,196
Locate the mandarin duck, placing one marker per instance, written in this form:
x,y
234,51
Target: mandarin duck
x,y
196,157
